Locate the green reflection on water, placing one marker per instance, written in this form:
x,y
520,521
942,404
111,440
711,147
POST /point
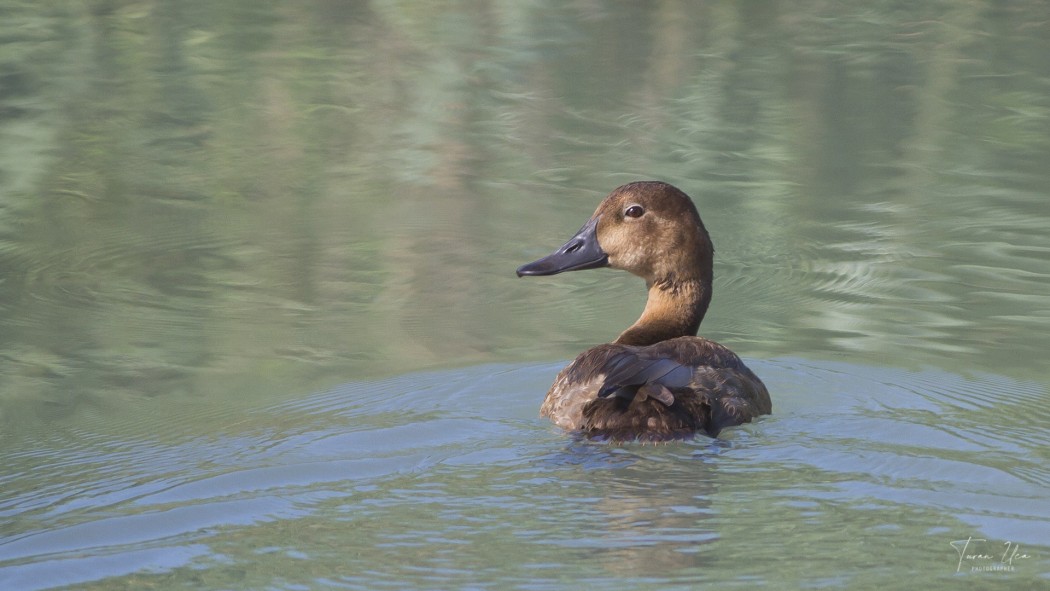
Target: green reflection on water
x,y
208,207
282,197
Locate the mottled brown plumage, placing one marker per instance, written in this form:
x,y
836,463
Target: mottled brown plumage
x,y
657,380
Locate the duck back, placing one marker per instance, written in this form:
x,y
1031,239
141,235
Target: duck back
x,y
668,390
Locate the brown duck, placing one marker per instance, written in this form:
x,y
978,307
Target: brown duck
x,y
657,380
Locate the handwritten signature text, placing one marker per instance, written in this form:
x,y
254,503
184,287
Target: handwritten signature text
x,y
984,556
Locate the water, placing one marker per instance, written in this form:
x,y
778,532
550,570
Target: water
x,y
260,327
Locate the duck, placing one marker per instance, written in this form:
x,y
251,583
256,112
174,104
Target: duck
x,y
658,380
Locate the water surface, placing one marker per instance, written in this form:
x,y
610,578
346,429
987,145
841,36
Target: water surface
x,y
260,327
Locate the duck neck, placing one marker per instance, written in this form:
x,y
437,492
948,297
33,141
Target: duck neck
x,y
675,308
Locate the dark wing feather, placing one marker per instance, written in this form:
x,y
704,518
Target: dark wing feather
x,y
629,370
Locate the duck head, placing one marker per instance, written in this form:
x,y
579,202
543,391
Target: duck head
x,y
648,228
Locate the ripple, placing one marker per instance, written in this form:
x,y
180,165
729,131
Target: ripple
x,y
166,272
431,461
929,426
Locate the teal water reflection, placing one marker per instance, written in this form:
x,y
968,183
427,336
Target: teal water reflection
x,y
209,212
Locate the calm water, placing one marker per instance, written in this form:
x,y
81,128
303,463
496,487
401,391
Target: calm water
x,y
259,326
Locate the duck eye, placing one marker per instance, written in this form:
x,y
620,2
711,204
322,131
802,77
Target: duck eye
x,y
634,211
